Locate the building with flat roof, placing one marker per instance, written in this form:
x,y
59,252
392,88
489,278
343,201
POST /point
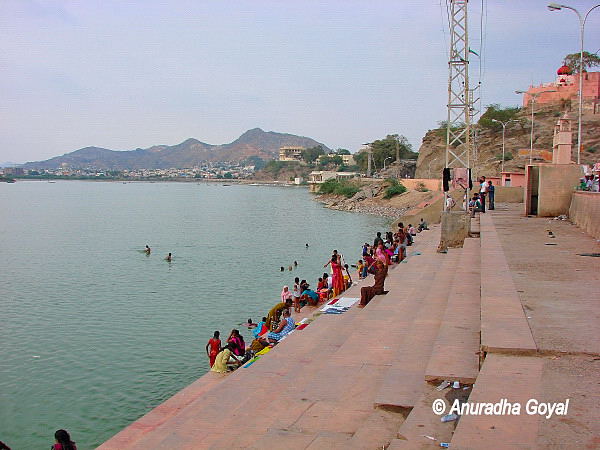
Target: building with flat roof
x,y
290,153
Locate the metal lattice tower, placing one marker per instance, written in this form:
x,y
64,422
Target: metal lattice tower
x,y
458,131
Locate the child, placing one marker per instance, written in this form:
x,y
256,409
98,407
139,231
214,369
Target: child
x,y
359,268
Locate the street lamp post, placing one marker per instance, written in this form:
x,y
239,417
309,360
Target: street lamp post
x,y
503,130
369,157
534,96
389,157
558,7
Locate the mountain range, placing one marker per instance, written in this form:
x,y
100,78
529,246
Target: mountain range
x,y
189,153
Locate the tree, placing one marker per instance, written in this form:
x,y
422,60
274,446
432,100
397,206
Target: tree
x,y
589,60
342,151
311,154
496,112
256,161
386,148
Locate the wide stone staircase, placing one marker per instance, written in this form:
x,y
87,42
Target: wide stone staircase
x,y
367,378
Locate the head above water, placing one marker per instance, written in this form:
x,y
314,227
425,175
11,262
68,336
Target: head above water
x,y
62,437
216,334
297,280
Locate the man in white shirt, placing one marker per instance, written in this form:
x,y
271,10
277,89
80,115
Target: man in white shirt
x,y
482,192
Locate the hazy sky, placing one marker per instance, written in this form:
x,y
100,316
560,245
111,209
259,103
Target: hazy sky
x,y
123,74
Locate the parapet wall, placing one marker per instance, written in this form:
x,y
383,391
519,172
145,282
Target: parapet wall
x,y
585,212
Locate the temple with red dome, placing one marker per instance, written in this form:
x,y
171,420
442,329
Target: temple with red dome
x,y
566,86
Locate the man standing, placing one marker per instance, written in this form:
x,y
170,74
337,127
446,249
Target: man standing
x,y
491,192
482,191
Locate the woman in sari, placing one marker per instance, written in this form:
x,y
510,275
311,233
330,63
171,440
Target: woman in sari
x,y
285,294
368,292
337,277
381,254
236,343
220,365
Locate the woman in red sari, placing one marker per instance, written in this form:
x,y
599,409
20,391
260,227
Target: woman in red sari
x,y
213,347
337,276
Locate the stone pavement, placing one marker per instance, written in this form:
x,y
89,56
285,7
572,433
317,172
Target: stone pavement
x,y
360,379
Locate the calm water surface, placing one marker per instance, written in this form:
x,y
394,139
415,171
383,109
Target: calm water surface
x,y
95,333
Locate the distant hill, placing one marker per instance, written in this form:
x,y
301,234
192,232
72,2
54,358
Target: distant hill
x,y
189,153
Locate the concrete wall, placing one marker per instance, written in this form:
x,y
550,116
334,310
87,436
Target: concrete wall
x,y
556,185
455,228
430,183
509,194
585,212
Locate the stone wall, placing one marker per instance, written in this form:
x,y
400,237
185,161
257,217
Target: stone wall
x,y
585,212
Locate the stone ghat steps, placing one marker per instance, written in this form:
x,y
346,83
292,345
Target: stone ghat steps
x,y
504,327
516,378
320,380
403,382
455,353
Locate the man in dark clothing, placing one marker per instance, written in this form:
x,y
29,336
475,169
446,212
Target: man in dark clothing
x,y
491,192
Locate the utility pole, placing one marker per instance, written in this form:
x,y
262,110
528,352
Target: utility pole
x,y
458,128
397,149
460,98
460,104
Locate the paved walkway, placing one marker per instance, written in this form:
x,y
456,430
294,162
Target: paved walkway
x,y
367,378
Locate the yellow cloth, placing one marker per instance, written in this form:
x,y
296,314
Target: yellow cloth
x,y
264,351
221,360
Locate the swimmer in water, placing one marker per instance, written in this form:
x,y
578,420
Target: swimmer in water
x,y
147,250
282,269
169,257
306,245
295,263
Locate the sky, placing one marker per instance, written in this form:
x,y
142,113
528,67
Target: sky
x,y
132,74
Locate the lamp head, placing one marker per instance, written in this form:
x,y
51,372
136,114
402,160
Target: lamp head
x,y
554,7
519,92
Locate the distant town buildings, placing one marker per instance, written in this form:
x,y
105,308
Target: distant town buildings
x,y
221,170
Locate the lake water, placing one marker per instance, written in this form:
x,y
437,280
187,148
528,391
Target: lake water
x,y
95,333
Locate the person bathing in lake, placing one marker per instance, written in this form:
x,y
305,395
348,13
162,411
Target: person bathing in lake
x,y
169,258
63,441
213,347
147,250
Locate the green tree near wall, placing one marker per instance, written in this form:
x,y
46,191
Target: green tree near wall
x,y
589,60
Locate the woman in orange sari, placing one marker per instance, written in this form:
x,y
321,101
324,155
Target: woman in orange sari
x,y
337,277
